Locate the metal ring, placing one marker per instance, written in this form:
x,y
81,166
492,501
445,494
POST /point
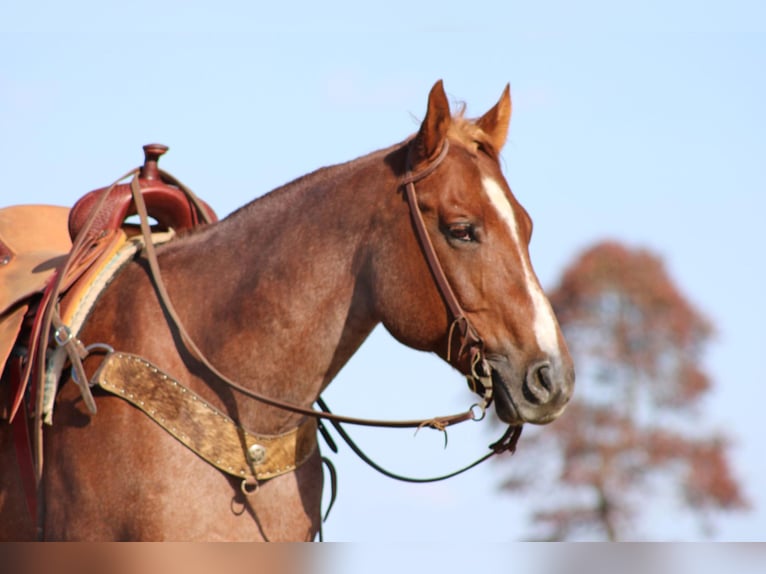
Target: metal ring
x,y
482,407
62,335
249,486
89,349
99,347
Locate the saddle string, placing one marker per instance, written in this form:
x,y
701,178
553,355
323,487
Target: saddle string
x,y
44,321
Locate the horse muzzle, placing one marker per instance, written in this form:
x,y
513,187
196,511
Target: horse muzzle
x,y
538,395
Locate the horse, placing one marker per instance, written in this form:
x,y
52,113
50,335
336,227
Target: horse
x,y
278,296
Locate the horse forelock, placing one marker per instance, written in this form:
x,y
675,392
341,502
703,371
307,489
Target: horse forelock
x,y
469,134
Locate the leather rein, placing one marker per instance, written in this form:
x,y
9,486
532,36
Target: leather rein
x,y
470,343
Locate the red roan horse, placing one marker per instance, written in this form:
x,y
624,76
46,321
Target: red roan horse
x,y
278,296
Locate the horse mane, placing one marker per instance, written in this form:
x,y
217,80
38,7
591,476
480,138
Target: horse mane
x,y
312,182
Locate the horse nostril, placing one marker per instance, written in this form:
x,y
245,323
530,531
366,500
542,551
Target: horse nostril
x,y
538,385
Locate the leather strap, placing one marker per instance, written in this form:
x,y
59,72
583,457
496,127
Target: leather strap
x,y
201,427
21,441
44,322
426,244
479,377
506,443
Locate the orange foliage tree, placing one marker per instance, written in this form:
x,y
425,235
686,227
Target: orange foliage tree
x,y
634,431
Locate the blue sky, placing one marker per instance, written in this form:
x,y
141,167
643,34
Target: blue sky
x,y
643,123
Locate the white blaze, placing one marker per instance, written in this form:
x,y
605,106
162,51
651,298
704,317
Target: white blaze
x,y
546,331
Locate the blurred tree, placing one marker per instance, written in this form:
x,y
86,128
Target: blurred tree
x,y
634,427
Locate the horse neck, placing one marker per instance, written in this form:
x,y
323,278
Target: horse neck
x,y
283,280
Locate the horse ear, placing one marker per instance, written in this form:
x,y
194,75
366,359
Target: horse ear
x,y
434,128
495,122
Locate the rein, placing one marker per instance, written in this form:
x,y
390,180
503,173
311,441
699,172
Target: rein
x,y
507,442
475,412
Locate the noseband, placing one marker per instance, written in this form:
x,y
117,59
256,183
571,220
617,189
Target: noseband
x,y
471,344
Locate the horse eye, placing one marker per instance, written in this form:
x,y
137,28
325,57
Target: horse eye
x,y
462,232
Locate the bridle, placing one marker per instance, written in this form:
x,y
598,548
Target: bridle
x,y
479,379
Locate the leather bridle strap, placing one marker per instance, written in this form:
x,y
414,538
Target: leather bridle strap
x,y
426,244
470,341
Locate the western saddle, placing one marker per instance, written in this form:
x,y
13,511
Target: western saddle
x,y
54,263
49,256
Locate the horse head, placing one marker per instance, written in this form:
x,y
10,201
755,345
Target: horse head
x,y
506,333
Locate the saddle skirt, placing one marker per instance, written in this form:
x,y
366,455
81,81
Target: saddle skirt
x,y
60,258
34,242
